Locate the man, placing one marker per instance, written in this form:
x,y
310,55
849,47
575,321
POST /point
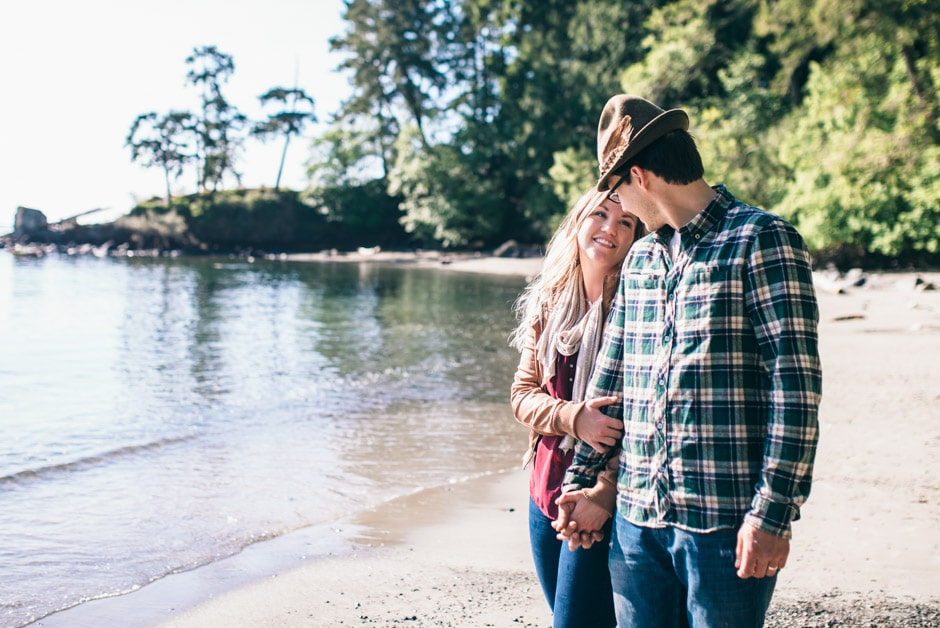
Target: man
x,y
712,345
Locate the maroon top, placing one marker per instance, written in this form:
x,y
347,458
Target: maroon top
x,y
550,464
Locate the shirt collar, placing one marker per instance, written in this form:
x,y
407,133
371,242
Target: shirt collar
x,y
704,222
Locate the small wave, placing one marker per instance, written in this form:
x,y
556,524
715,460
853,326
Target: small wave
x,y
88,462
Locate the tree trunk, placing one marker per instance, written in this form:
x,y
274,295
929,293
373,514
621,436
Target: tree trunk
x,y
280,168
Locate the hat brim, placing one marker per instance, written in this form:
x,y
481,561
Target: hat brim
x,y
666,122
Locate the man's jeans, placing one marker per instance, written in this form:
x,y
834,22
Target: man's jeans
x,y
576,584
670,578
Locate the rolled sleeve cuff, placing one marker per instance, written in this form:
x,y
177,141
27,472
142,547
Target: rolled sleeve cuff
x,y
772,517
577,479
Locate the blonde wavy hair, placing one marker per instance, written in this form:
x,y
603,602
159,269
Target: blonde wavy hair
x,y
560,267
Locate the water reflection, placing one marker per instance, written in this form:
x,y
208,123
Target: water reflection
x,y
189,407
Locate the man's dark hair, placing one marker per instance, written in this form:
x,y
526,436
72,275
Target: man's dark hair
x,y
673,157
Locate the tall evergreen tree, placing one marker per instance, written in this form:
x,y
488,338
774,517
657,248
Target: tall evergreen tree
x,y
162,141
220,122
295,110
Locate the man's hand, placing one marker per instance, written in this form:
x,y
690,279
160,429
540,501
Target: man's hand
x,y
579,520
597,429
760,553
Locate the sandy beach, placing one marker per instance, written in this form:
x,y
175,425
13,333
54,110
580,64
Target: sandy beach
x,y
866,551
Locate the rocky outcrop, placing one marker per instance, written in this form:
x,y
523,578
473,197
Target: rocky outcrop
x,y
143,233
29,223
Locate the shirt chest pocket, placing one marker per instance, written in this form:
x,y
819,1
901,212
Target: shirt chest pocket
x,y
650,281
710,294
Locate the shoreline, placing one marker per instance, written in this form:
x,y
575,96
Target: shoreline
x,y
351,568
866,550
463,262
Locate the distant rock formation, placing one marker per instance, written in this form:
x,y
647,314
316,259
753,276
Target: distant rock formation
x,y
149,234
29,223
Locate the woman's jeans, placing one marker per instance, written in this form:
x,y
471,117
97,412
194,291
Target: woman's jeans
x,y
671,578
576,583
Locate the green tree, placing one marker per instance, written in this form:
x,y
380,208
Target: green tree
x,y
297,108
344,155
739,132
440,202
349,188
824,111
574,170
864,161
795,34
687,43
480,115
220,122
396,52
161,142
533,81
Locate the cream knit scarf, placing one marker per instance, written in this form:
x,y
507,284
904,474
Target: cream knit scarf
x,y
575,328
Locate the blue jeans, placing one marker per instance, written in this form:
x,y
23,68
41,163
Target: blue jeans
x,y
576,583
671,578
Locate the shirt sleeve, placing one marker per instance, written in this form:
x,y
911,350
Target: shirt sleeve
x,y
531,404
781,301
606,381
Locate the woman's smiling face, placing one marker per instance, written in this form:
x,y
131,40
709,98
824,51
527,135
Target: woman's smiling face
x,y
606,234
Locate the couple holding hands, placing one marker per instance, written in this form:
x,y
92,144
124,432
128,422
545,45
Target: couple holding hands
x,y
670,378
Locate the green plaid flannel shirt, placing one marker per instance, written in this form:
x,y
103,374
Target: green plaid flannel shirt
x,y
716,358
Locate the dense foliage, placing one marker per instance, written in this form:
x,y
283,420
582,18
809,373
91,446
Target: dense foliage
x,y
472,122
480,115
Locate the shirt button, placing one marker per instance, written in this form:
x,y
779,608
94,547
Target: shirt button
x,y
660,425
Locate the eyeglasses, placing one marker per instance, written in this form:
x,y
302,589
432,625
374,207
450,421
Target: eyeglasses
x,y
613,191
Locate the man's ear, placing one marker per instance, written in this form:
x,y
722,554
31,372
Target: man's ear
x,y
640,176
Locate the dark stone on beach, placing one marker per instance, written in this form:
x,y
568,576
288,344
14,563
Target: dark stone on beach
x,y
855,277
914,284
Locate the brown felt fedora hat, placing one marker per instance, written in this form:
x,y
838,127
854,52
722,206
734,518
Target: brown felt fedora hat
x,y
629,124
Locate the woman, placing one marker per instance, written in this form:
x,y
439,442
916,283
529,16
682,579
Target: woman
x,y
561,317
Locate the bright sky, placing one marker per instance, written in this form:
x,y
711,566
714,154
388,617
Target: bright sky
x,y
75,74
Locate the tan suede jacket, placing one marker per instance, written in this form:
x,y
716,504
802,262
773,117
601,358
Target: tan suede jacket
x,y
544,415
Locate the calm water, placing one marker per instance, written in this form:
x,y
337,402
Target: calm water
x,y
162,414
